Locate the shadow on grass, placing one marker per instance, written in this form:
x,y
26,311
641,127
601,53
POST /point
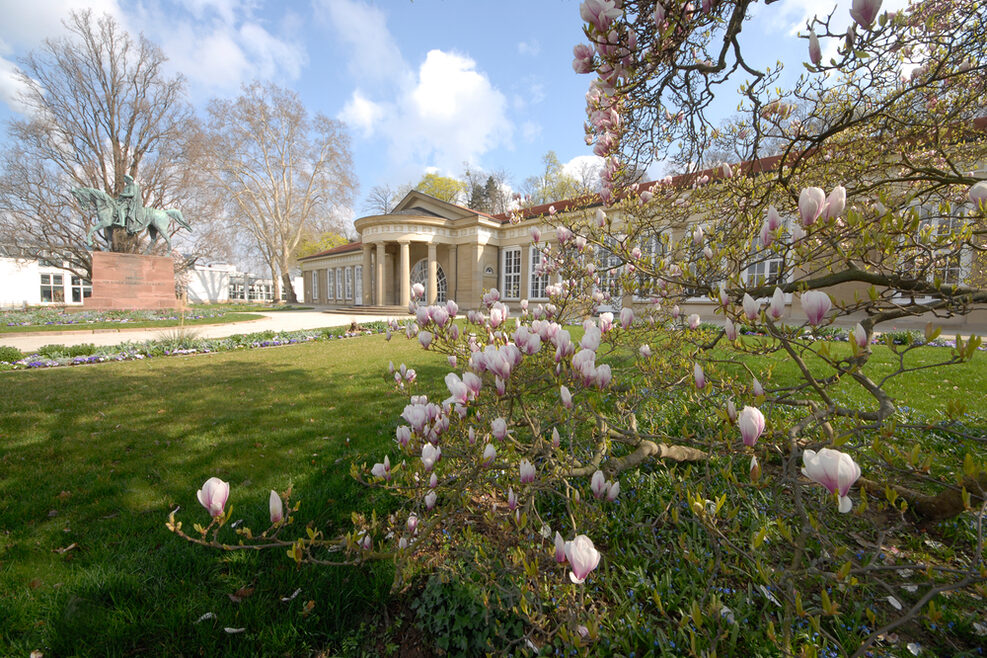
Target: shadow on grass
x,y
96,457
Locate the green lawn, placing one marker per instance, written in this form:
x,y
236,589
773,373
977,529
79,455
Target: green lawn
x,y
93,458
145,324
96,457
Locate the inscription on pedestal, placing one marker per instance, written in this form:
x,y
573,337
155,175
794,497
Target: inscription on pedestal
x,y
132,281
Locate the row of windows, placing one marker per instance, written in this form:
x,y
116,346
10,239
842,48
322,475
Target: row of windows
x,y
510,268
53,288
341,280
256,292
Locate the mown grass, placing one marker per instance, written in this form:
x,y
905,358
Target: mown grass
x,y
96,457
141,324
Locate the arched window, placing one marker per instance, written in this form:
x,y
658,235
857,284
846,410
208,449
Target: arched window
x,y
419,274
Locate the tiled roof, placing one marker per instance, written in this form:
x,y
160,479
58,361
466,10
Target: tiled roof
x,y
341,249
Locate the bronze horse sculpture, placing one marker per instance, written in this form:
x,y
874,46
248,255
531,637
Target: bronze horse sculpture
x,y
107,209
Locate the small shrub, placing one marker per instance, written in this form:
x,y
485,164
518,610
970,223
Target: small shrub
x,y
10,354
904,337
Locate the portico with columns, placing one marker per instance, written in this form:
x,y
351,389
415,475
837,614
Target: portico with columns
x,y
452,251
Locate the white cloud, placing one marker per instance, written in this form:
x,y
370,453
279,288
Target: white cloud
x,y
530,131
216,44
374,56
362,113
585,169
443,114
529,47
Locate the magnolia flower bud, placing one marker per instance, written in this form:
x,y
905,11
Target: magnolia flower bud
x,y
777,306
864,12
598,484
498,427
430,500
566,397
751,424
731,411
815,51
812,202
815,305
644,351
693,321
859,336
730,329
559,548
756,388
276,507
755,469
556,440
213,496
751,307
699,376
489,454
527,471
613,490
836,202
433,481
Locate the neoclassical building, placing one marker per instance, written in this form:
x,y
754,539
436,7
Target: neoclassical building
x,y
454,252
458,253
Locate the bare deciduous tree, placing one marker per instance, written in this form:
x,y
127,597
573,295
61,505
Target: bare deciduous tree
x,y
99,105
283,173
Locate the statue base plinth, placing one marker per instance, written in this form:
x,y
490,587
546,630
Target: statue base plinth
x,y
132,281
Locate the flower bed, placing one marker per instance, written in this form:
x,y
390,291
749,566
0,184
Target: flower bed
x,y
182,345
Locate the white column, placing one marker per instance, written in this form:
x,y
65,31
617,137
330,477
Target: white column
x,y
379,290
404,271
365,276
433,274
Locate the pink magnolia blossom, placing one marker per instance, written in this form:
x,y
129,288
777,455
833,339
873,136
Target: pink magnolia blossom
x,y
860,336
566,397
626,317
556,439
978,195
412,523
756,388
731,411
644,351
708,252
777,307
582,59
417,290
213,495
659,15
603,376
864,11
498,427
430,455
834,470
606,322
698,235
599,13
433,481
601,218
430,498
425,338
591,339
276,508
693,321
730,329
755,469
699,376
489,454
797,233
835,202
767,237
583,558
613,490
383,470
511,499
815,305
751,308
459,392
724,298
473,384
403,433
751,424
563,234
815,51
559,548
812,202
452,308
527,471
773,219
598,484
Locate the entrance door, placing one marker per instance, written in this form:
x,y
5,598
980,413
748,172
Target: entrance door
x,y
358,285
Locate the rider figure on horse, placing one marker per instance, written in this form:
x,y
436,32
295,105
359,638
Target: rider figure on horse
x,y
130,209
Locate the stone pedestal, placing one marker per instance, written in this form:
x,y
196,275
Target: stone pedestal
x,y
132,281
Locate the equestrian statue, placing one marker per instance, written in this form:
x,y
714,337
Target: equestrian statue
x,y
127,211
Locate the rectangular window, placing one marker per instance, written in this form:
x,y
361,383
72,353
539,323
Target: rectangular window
x,y
609,267
315,286
52,288
330,284
81,289
537,280
763,272
652,253
339,283
349,283
511,267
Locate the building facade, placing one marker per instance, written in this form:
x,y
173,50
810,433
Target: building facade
x,y
458,253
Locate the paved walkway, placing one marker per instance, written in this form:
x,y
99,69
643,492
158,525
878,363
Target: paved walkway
x,y
274,321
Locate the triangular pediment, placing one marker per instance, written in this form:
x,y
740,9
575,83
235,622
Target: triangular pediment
x,y
416,202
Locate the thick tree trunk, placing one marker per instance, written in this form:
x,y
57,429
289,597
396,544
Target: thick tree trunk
x,y
289,288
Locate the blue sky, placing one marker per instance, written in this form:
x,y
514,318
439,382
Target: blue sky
x,y
423,84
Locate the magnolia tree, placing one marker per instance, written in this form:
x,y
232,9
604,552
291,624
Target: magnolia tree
x,y
790,470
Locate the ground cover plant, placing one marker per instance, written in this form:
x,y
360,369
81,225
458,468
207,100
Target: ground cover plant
x,y
56,319
792,503
182,342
